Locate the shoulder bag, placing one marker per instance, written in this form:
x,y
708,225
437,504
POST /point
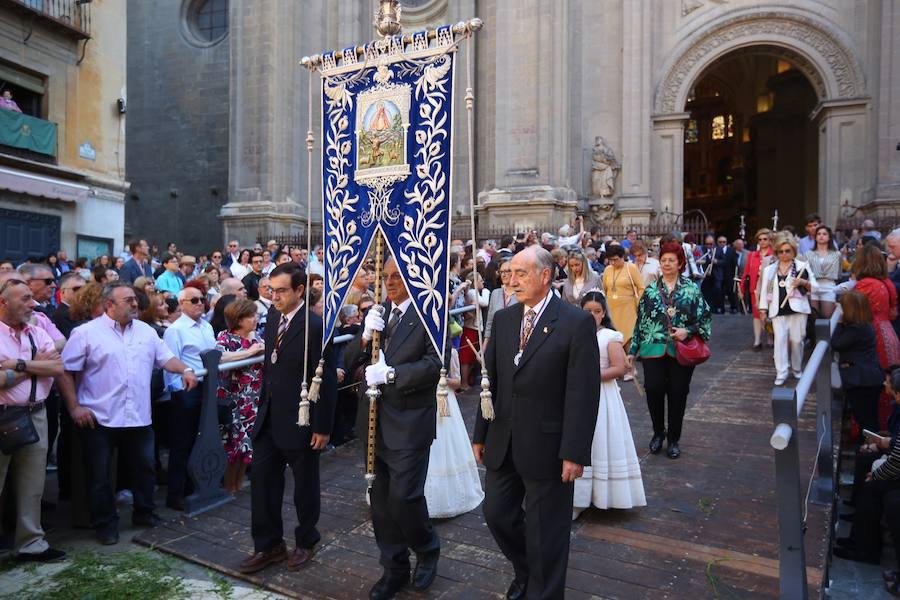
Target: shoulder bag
x,y
690,352
16,427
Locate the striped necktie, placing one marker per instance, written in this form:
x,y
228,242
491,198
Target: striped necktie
x,y
282,329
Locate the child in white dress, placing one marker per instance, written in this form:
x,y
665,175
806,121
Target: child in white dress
x,y
452,486
613,480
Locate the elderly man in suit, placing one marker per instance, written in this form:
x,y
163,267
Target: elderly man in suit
x,y
278,441
407,371
544,365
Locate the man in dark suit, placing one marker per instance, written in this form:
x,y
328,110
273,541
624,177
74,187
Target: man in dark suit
x,y
737,258
407,372
277,439
545,375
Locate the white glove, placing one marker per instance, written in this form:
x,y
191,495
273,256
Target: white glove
x,y
374,322
377,374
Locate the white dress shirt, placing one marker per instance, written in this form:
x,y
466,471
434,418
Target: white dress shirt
x,y
188,339
115,365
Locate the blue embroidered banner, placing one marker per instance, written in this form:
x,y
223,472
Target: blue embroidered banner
x,y
386,163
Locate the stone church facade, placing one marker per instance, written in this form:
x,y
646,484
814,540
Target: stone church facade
x,y
622,110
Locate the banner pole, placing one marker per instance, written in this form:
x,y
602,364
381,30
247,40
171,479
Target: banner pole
x,y
373,392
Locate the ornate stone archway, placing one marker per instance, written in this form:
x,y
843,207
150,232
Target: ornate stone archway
x,y
816,47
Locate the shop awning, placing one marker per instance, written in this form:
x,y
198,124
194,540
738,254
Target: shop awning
x,y
23,182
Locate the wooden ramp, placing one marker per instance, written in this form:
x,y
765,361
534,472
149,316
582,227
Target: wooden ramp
x,y
709,530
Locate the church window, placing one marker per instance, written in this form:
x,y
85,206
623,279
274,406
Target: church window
x,y
730,129
718,127
207,20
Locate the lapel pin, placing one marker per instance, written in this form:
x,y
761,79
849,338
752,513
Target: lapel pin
x,y
546,330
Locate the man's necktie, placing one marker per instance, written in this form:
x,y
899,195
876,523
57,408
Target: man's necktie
x,y
282,329
392,325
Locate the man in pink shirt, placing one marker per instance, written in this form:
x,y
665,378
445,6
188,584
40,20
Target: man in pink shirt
x,y
114,356
28,364
7,102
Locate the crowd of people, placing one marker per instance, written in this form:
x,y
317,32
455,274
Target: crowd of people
x,y
111,348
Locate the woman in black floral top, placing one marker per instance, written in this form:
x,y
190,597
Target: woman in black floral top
x,y
671,308
240,387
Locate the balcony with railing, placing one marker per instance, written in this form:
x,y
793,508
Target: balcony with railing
x,y
27,137
72,17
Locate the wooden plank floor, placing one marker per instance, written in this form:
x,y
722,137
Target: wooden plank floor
x,y
709,530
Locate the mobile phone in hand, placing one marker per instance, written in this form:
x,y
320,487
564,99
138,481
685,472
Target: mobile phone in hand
x,y
874,436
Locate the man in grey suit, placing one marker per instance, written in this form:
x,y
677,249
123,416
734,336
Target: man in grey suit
x,y
544,365
407,372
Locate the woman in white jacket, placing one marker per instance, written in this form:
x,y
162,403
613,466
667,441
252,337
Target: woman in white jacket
x,y
783,297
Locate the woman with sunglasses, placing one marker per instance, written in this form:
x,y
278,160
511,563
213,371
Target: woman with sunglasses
x,y
784,298
579,278
756,262
501,297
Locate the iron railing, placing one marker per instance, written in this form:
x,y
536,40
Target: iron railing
x,y
787,404
73,15
206,465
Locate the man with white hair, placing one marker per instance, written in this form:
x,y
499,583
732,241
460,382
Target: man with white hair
x,y
232,254
234,286
28,364
188,337
868,230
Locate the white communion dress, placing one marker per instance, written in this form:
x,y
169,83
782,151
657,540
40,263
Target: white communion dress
x,y
452,486
614,478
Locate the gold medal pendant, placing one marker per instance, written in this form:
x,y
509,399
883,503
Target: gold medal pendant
x,y
670,311
615,296
782,283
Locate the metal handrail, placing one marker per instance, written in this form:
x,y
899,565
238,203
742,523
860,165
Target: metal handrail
x,y
787,404
340,339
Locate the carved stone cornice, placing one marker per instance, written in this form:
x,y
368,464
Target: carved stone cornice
x,y
815,47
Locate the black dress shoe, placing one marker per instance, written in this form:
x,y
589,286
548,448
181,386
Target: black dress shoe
x,y
146,520
849,553
673,451
757,347
426,570
517,590
176,504
656,443
48,555
108,537
387,587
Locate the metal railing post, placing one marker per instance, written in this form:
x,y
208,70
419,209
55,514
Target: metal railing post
x,y
791,551
824,487
206,465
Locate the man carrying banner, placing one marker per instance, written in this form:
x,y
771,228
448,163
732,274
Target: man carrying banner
x,y
407,372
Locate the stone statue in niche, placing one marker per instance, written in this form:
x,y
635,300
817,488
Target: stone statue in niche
x,y
604,169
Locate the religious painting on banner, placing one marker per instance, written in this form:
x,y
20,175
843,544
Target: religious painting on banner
x,y
386,166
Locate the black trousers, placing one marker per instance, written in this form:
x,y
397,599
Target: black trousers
x,y
863,401
665,379
64,453
267,493
712,292
865,536
185,418
135,445
862,464
534,539
399,512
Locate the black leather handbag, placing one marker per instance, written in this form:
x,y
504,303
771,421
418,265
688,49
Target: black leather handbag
x,y
16,427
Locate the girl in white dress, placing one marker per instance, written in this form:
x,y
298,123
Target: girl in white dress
x,y
452,486
614,478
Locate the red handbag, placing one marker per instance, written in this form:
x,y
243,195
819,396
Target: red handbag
x,y
692,351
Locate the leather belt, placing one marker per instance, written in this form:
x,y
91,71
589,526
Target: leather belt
x,y
32,407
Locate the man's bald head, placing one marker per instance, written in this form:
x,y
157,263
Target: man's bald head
x,y
233,285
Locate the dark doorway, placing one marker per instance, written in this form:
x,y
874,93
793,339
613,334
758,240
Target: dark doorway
x,y
749,145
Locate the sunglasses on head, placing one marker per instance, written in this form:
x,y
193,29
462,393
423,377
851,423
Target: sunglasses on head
x,y
10,282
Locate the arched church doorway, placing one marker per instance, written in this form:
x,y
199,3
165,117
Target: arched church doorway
x,y
750,145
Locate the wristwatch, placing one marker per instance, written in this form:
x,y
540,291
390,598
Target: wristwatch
x,y
20,365
187,370
391,376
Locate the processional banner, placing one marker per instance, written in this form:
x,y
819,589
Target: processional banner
x,y
386,164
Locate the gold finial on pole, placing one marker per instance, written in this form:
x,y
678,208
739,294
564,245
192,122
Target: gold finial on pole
x,y
387,19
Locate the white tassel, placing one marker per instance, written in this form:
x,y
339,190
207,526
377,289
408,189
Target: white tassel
x,y
316,382
487,406
442,393
303,409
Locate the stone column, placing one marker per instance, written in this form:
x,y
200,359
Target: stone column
x,y
842,160
531,144
267,155
667,154
637,94
887,126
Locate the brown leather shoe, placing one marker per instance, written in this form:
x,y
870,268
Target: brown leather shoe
x,y
298,558
261,560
